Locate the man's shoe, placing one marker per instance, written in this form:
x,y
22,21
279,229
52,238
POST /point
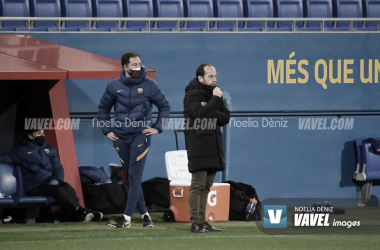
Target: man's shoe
x,y
198,228
98,216
209,228
120,223
88,217
147,221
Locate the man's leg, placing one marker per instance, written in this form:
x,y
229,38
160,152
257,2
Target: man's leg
x,y
59,192
42,190
72,200
135,194
122,147
137,201
198,181
133,157
139,151
204,195
66,197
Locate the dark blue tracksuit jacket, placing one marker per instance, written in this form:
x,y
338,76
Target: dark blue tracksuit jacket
x,y
39,165
132,100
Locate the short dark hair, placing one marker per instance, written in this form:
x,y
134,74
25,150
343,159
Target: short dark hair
x,y
32,130
125,58
201,69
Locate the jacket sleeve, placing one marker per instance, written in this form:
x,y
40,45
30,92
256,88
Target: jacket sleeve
x,y
213,109
13,157
159,99
223,116
58,172
104,108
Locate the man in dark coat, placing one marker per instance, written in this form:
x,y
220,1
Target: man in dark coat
x,y
204,113
43,174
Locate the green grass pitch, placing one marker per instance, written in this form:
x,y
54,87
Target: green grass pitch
x,y
166,236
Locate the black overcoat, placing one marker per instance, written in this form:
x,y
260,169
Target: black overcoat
x,y
204,139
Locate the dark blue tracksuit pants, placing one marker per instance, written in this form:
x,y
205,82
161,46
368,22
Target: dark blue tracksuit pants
x,y
133,153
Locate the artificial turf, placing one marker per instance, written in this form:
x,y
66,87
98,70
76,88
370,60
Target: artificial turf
x,y
235,235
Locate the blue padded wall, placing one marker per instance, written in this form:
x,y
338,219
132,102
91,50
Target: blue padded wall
x,y
288,147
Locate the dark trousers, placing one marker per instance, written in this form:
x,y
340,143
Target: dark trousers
x,y
201,183
133,152
63,193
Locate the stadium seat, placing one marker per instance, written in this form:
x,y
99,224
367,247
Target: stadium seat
x,y
76,8
226,9
318,9
348,9
13,194
14,8
371,171
45,8
371,162
107,8
28,201
137,8
288,9
258,8
8,185
168,8
371,9
198,8
367,168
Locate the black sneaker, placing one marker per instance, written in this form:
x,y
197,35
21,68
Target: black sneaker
x,y
147,221
85,217
120,223
98,216
209,228
88,217
198,228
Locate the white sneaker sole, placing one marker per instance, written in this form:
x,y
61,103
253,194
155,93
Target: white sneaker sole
x,y
89,217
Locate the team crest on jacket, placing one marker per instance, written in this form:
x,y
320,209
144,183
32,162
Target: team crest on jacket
x,y
140,90
47,150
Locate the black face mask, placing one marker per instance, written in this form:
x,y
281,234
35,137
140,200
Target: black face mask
x,y
134,73
39,140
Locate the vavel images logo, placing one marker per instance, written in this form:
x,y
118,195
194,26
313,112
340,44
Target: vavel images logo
x,y
275,216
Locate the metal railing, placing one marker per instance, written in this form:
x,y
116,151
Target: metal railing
x,y
151,23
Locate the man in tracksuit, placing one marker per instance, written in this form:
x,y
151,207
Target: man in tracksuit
x,y
132,96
